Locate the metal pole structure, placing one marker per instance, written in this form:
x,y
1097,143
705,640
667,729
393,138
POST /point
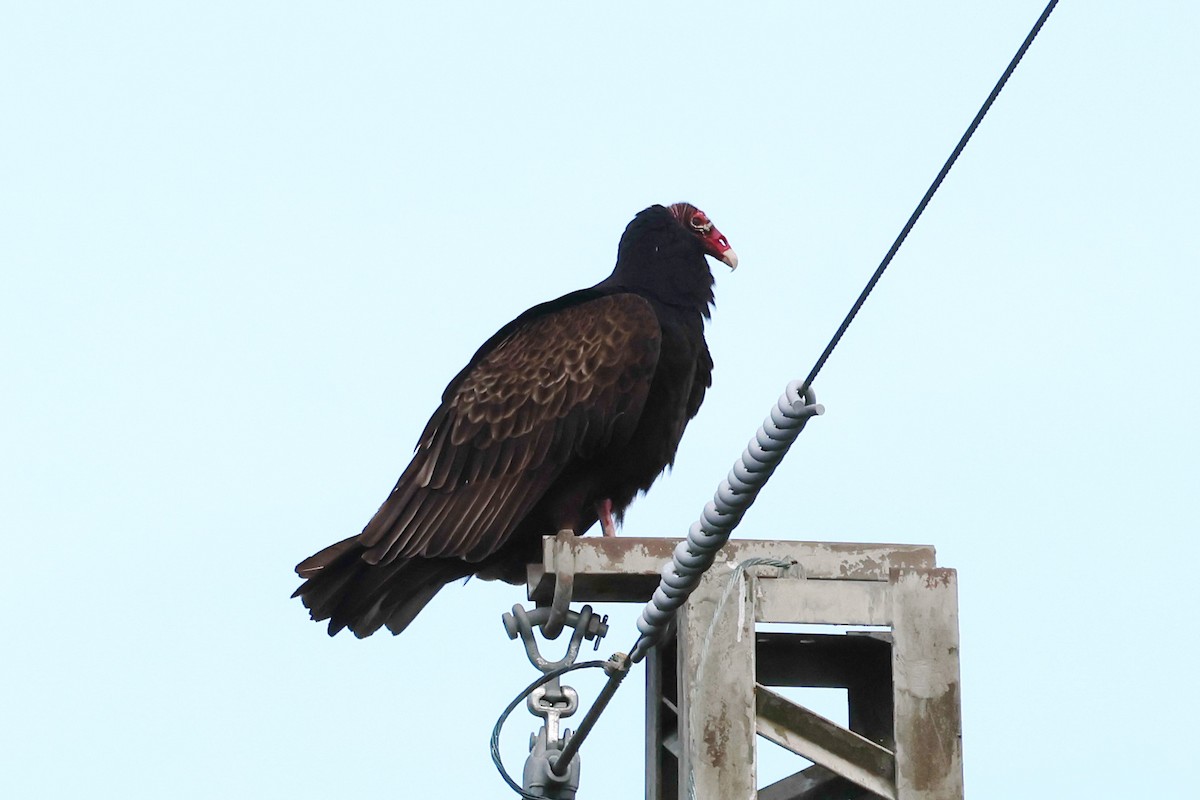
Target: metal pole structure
x,y
713,693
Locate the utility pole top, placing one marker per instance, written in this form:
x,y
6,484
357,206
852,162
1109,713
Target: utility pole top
x,y
708,694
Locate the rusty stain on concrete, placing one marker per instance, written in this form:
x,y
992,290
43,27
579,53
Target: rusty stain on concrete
x,y
935,733
716,740
937,579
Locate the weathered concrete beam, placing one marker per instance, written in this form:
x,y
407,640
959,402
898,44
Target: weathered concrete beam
x,y
716,692
814,783
852,602
823,742
626,569
925,672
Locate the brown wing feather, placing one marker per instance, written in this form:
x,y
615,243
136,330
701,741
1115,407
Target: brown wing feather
x,y
701,381
558,387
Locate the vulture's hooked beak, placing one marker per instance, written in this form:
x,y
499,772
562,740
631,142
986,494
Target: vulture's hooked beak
x,y
717,245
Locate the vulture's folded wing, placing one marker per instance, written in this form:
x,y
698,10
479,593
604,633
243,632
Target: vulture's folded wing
x,y
551,389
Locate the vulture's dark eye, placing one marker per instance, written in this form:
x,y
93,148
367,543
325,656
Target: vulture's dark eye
x,y
701,224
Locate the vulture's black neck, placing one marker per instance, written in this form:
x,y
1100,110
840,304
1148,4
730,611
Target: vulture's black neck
x,y
660,259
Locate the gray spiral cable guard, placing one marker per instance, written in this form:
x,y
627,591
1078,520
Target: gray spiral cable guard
x,y
733,497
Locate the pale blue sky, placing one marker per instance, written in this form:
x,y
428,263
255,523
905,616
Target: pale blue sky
x,y
246,244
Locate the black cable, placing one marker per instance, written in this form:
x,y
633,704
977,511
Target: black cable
x,y
549,676
933,187
620,668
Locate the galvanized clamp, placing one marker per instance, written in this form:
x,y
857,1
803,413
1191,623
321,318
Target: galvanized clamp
x,y
552,701
586,625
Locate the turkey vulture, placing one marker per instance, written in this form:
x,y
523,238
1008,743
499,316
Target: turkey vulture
x,y
558,420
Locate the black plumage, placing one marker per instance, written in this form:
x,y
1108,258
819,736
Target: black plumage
x,y
558,421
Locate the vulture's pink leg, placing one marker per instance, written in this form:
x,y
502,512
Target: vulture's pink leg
x,y
608,527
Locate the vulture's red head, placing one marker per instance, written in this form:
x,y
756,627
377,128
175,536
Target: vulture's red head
x,y
700,226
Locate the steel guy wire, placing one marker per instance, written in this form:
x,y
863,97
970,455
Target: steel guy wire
x,y
933,187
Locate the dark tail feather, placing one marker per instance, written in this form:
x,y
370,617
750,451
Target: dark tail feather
x,y
351,593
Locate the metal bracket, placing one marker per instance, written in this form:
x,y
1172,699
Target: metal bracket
x,y
586,624
539,777
552,701
564,588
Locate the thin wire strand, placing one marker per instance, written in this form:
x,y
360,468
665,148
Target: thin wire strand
x,y
495,742
933,187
